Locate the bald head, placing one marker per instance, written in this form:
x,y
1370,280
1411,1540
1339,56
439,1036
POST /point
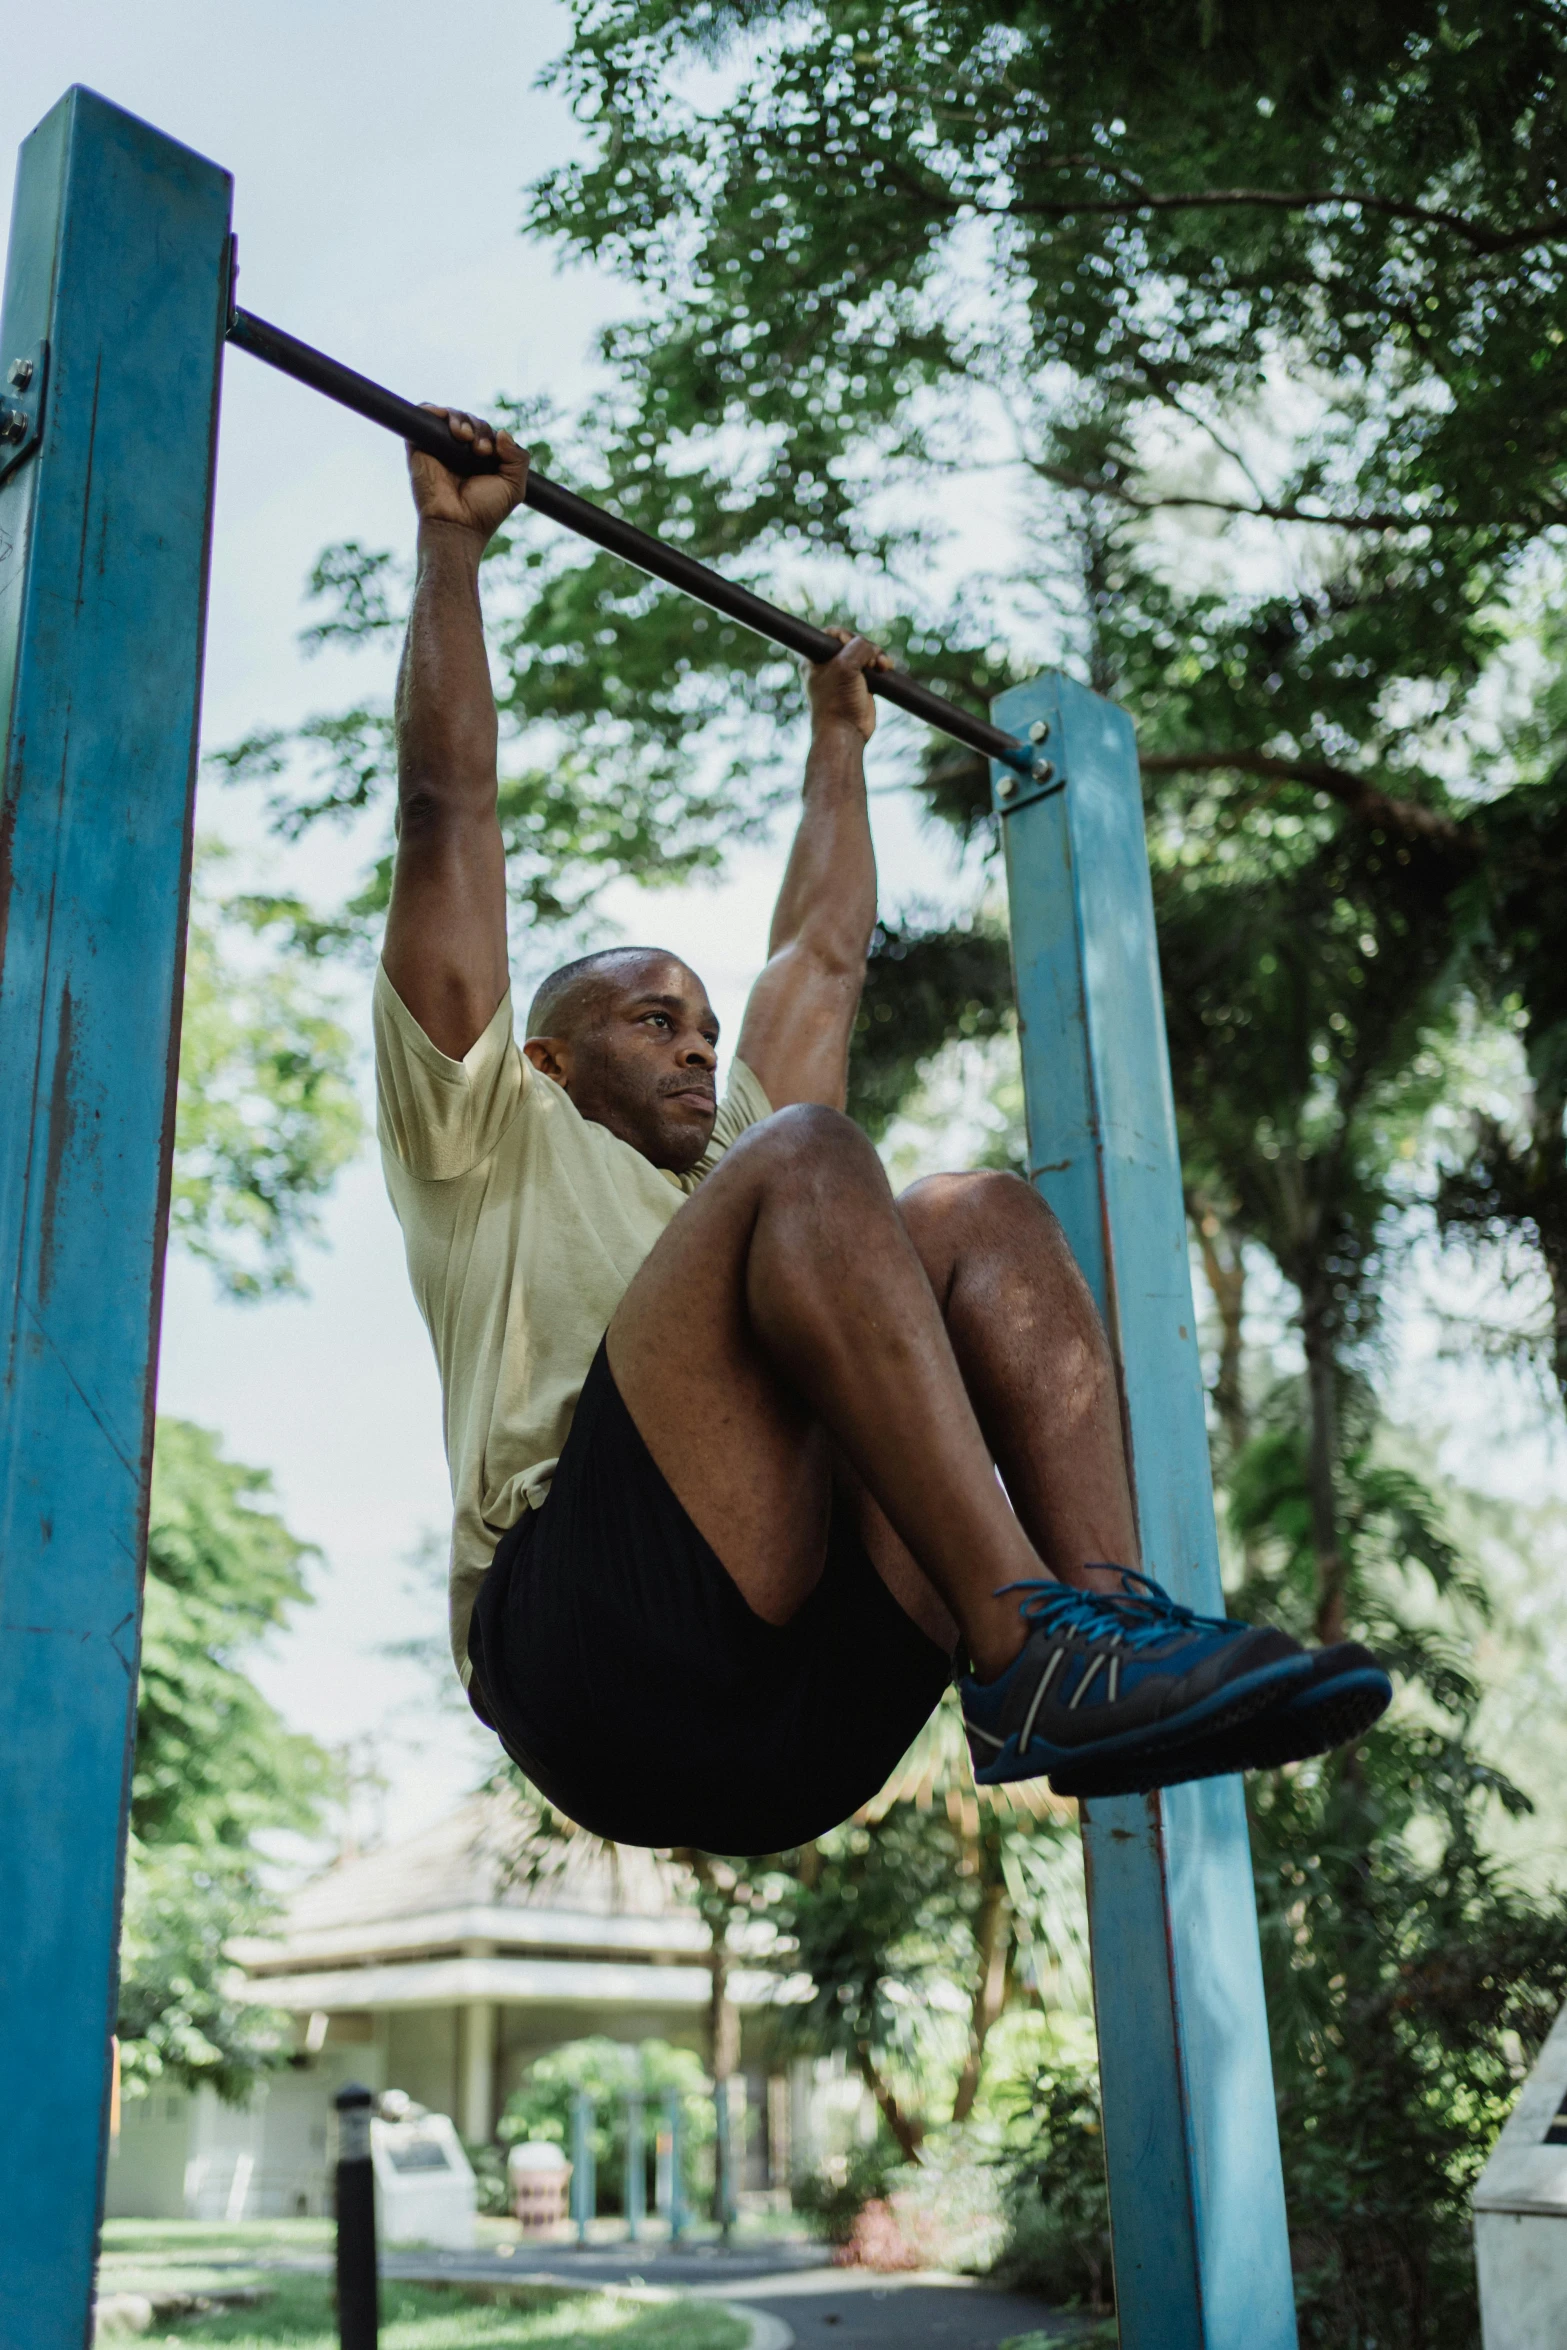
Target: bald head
x,y
630,1035
574,999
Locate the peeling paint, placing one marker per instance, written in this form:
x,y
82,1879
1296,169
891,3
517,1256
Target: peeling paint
x,y
7,876
62,1125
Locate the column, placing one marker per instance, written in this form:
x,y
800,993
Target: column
x,y
116,297
1191,2136
477,2120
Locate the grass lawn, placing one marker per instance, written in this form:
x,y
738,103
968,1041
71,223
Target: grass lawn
x,y
298,2316
151,2255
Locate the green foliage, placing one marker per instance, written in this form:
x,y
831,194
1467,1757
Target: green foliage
x,y
1406,1986
1409,1983
214,1769
924,986
608,791
1409,1978
1058,2240
266,1112
916,1923
879,1920
607,2069
1256,321
830,2202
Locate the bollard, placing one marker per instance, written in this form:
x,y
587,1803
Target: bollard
x,y
358,2311
584,2183
636,2167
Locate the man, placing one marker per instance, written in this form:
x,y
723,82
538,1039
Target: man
x,y
725,1420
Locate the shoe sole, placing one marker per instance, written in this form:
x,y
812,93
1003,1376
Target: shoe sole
x,y
1311,1724
1226,1709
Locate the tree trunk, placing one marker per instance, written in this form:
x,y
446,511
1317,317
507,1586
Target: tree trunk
x,y
1322,1467
723,2023
1224,1268
715,1906
906,2128
1550,1214
993,1938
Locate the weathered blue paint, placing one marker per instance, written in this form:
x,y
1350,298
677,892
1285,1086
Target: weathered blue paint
x,y
1196,2190
119,261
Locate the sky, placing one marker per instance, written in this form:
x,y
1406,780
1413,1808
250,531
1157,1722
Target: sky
x,y
379,162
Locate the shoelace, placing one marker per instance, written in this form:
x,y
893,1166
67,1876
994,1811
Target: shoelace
x,y
1154,1615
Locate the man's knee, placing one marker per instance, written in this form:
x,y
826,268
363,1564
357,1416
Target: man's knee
x,y
802,1142
983,1198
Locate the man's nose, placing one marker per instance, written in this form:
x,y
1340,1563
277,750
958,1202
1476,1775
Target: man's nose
x,y
698,1053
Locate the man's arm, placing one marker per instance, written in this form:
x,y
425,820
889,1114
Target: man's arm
x,y
795,1035
445,945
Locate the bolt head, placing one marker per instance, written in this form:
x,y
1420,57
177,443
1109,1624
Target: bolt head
x,y
1006,786
19,374
13,425
1039,732
1041,771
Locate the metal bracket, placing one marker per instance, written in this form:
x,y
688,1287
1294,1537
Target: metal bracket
x,y
23,377
1033,775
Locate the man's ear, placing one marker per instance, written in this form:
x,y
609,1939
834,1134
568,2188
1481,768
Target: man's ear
x,y
551,1056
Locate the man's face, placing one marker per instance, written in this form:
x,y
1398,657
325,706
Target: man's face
x,y
641,1061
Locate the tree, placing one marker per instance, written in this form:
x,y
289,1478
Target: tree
x,y
215,1767
1267,300
1251,323
266,1113
916,1924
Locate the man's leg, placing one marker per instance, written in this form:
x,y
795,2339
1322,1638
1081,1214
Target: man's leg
x,y
785,1306
788,1311
1035,1361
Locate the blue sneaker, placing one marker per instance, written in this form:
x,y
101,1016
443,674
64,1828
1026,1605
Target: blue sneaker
x,y
1343,1693
1125,1678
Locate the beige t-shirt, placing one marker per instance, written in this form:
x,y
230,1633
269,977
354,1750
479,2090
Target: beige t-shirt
x,y
524,1223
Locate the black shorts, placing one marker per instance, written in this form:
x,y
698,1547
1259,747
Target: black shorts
x,y
628,1679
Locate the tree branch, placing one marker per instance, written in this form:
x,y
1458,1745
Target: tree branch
x,y
1474,232
906,2129
1096,485
1352,792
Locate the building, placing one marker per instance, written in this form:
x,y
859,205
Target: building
x,y
441,1966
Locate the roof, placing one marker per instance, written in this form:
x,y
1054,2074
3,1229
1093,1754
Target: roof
x,y
478,1883
475,1890
478,1857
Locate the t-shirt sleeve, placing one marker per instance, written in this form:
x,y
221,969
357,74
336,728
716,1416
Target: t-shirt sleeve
x,y
440,1116
744,1104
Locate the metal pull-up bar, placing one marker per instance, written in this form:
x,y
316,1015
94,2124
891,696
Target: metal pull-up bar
x,y
426,431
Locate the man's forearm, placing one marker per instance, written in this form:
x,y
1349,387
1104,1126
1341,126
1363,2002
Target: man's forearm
x,y
446,725
829,888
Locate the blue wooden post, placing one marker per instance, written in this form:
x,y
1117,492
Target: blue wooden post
x,y
1191,2135
635,2195
584,2182
675,2126
115,295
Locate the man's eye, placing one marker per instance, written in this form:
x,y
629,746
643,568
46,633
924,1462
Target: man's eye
x,y
659,1019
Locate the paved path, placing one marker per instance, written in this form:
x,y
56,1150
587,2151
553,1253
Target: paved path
x,y
824,2308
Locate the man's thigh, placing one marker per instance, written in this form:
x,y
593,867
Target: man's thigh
x,y
743,1456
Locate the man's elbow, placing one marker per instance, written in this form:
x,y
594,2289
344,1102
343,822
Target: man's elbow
x,y
838,956
430,809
